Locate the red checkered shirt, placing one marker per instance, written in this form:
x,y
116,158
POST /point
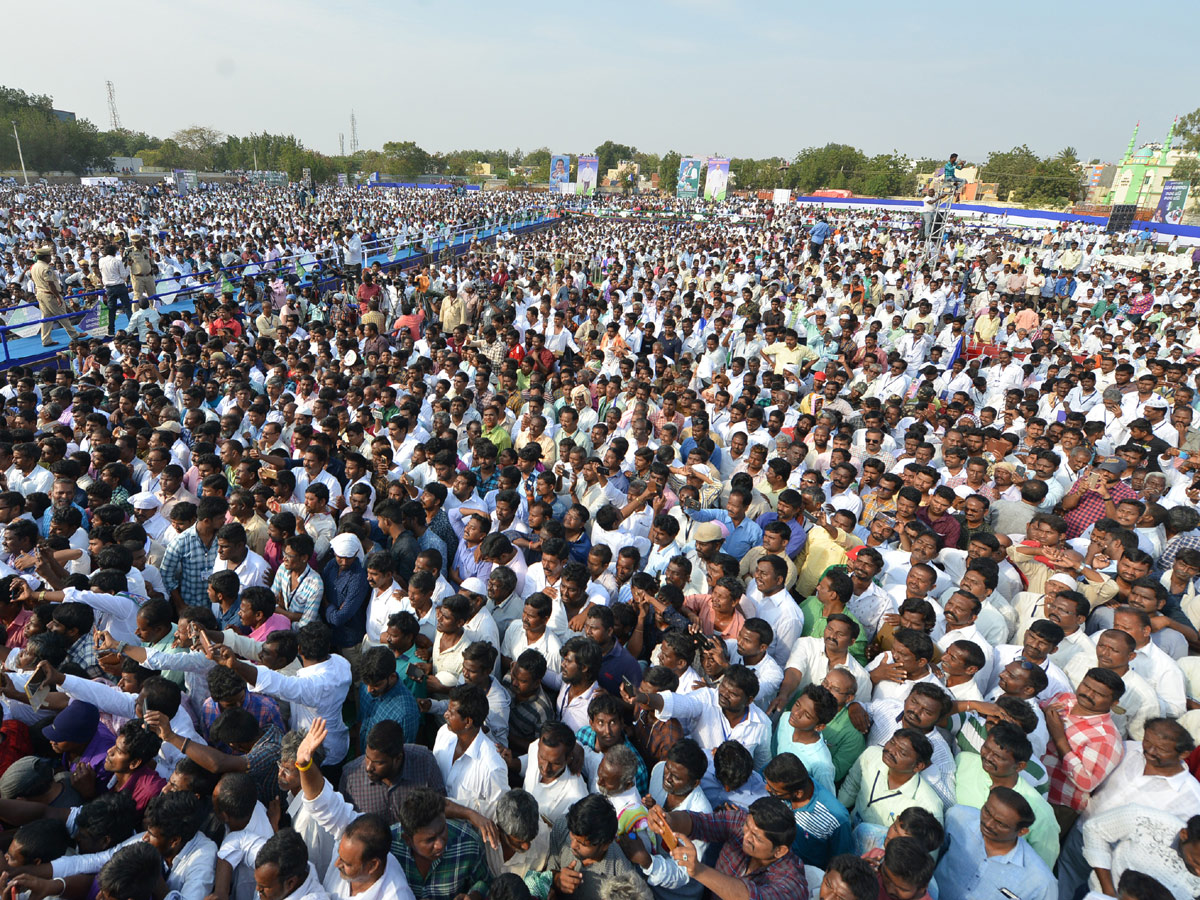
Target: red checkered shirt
x,y
1091,508
1096,749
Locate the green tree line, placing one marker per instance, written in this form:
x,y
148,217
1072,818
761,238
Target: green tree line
x,y
50,144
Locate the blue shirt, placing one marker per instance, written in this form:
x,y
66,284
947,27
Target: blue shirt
x,y
741,538
822,828
618,663
396,704
966,872
690,444
819,233
799,536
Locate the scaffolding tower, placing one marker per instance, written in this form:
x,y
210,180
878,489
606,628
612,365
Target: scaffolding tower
x,y
947,194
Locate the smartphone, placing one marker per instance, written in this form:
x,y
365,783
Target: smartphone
x,y
414,673
669,840
628,685
36,690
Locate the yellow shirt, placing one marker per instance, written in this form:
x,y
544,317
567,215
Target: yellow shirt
x,y
786,359
820,552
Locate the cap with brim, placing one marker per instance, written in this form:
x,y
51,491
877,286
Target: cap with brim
x,y
708,531
171,426
29,776
1115,466
74,725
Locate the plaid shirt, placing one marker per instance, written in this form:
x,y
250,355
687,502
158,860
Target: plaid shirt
x,y
1091,508
784,879
420,771
262,707
83,654
396,704
460,869
1096,749
263,762
186,567
305,599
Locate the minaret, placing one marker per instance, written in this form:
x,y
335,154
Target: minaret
x,y
1162,157
1132,141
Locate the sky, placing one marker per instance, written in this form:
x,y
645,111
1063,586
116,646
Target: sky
x,y
701,77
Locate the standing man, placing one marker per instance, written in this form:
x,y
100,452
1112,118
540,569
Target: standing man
x,y
114,272
141,267
49,293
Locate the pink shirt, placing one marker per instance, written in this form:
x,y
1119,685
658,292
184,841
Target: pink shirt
x,y
277,622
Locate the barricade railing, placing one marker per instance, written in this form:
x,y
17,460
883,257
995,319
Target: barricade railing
x,y
386,251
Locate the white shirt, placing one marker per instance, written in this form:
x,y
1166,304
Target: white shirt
x,y
38,480
779,611
316,690
478,777
1129,785
556,797
516,642
1153,664
190,878
252,571
240,848
971,633
335,814
381,607
701,716
807,656
117,703
115,614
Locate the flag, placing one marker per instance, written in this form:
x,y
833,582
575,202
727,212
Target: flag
x,y
957,352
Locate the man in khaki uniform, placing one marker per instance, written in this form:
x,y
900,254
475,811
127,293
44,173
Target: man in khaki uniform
x,y
141,268
49,294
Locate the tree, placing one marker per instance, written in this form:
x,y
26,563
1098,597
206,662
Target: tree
x,y
830,166
1187,169
406,160
198,144
668,172
610,155
1010,170
887,175
48,143
1187,130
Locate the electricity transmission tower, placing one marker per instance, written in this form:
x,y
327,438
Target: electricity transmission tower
x,y
353,133
114,118
341,144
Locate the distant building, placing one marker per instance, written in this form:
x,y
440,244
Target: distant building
x,y
481,169
63,116
1139,176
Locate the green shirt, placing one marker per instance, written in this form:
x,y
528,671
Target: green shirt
x,y
972,786
815,622
498,436
846,743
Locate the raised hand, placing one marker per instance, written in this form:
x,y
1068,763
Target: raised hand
x,y
314,739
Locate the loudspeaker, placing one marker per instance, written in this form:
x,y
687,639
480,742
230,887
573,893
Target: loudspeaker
x,y
1121,218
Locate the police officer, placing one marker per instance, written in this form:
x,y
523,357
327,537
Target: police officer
x,y
49,293
141,268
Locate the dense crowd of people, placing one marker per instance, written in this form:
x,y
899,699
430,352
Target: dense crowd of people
x,y
760,555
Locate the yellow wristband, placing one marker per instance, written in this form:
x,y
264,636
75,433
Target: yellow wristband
x,y
305,767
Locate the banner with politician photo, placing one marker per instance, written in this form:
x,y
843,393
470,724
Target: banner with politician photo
x,y
560,170
716,182
687,186
1171,203
588,176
